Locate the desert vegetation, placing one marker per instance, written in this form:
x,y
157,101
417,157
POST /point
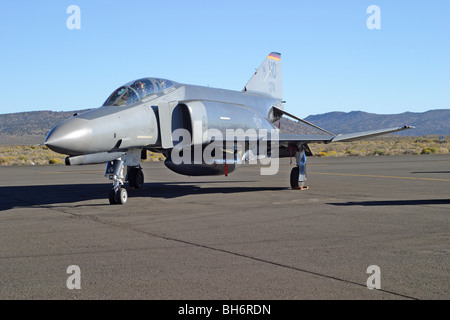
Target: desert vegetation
x,y
385,146
28,155
12,155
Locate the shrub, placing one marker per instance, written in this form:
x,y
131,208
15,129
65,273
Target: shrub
x,y
53,161
351,152
428,150
332,153
323,154
378,153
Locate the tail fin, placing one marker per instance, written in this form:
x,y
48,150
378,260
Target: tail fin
x,y
267,79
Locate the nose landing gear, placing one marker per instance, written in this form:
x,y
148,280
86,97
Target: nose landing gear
x,y
298,173
114,171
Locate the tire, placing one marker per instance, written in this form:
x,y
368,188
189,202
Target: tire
x,y
121,196
294,178
136,178
112,196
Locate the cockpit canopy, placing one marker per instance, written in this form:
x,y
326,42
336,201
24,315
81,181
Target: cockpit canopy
x,y
136,90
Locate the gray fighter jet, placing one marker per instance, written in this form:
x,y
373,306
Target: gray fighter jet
x,y
200,130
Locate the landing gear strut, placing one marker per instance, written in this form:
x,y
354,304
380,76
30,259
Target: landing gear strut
x,y
114,171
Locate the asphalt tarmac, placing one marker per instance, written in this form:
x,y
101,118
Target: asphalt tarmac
x,y
244,236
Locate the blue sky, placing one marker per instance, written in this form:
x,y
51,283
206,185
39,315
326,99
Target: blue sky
x,y
331,61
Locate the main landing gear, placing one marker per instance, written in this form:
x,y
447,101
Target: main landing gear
x,y
135,177
298,173
114,171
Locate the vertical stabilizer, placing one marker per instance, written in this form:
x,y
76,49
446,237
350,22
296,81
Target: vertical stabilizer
x,y
267,79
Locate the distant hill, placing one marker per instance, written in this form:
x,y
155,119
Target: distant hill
x,y
31,123
32,127
29,127
433,122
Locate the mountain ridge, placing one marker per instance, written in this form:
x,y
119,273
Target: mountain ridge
x,y
32,127
431,122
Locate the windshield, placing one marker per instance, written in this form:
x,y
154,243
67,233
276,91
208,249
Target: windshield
x,y
121,97
135,90
143,87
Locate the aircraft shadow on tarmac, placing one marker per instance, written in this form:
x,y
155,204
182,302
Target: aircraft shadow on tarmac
x,y
437,172
392,203
29,196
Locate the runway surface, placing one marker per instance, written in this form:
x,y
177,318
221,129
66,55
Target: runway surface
x,y
245,236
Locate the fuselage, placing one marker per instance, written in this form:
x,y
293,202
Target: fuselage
x,y
137,124
200,130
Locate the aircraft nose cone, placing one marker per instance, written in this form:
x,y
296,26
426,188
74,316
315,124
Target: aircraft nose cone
x,y
72,137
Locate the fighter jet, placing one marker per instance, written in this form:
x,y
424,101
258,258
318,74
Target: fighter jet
x,y
200,130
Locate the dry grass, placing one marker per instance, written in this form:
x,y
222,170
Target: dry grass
x,y
28,155
384,146
41,155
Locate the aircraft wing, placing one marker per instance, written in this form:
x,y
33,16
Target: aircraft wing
x,y
287,141
330,137
305,138
367,134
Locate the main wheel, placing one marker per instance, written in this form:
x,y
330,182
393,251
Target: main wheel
x,y
121,196
136,178
294,178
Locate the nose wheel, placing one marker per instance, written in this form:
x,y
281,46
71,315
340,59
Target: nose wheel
x,y
119,196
